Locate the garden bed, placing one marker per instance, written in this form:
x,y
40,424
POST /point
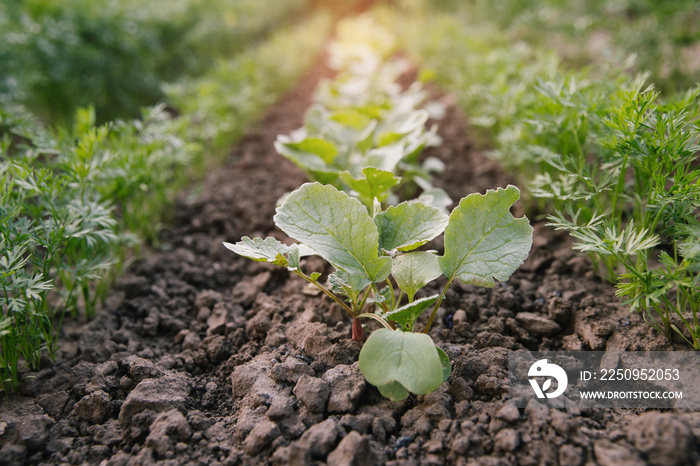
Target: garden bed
x,y
200,356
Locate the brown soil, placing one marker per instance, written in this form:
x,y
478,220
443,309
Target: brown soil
x,y
202,357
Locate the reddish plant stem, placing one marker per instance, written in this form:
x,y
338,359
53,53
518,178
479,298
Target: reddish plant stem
x,y
357,333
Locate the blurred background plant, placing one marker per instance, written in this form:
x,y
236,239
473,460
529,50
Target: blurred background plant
x,y
664,37
87,174
115,55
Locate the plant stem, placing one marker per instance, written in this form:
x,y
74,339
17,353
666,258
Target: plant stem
x,y
363,301
376,293
437,306
357,333
328,293
375,317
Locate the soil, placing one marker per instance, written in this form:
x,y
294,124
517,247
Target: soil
x,y
203,357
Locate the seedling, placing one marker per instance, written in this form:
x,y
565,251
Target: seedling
x,y
365,134
374,254
368,157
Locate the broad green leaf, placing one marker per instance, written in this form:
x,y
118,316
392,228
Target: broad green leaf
x,y
407,314
375,184
324,149
409,225
386,158
338,228
372,111
394,391
414,270
387,138
482,239
409,359
410,122
314,164
309,153
351,117
436,197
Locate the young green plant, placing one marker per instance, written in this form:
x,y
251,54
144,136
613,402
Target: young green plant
x,y
365,134
644,225
375,252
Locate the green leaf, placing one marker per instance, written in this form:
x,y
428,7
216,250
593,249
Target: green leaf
x,y
446,365
385,295
414,270
375,185
324,149
351,117
338,228
387,157
310,152
387,138
482,239
409,225
394,391
409,122
270,250
392,360
435,197
261,250
407,314
313,155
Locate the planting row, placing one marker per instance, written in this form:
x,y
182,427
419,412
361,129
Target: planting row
x,y
600,151
361,141
74,199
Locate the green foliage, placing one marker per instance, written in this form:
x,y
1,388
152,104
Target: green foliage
x,y
400,362
73,199
663,37
415,270
482,239
408,226
52,232
643,222
365,134
368,250
615,163
338,228
58,56
217,107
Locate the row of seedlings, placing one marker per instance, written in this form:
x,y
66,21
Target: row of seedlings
x,y
361,141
